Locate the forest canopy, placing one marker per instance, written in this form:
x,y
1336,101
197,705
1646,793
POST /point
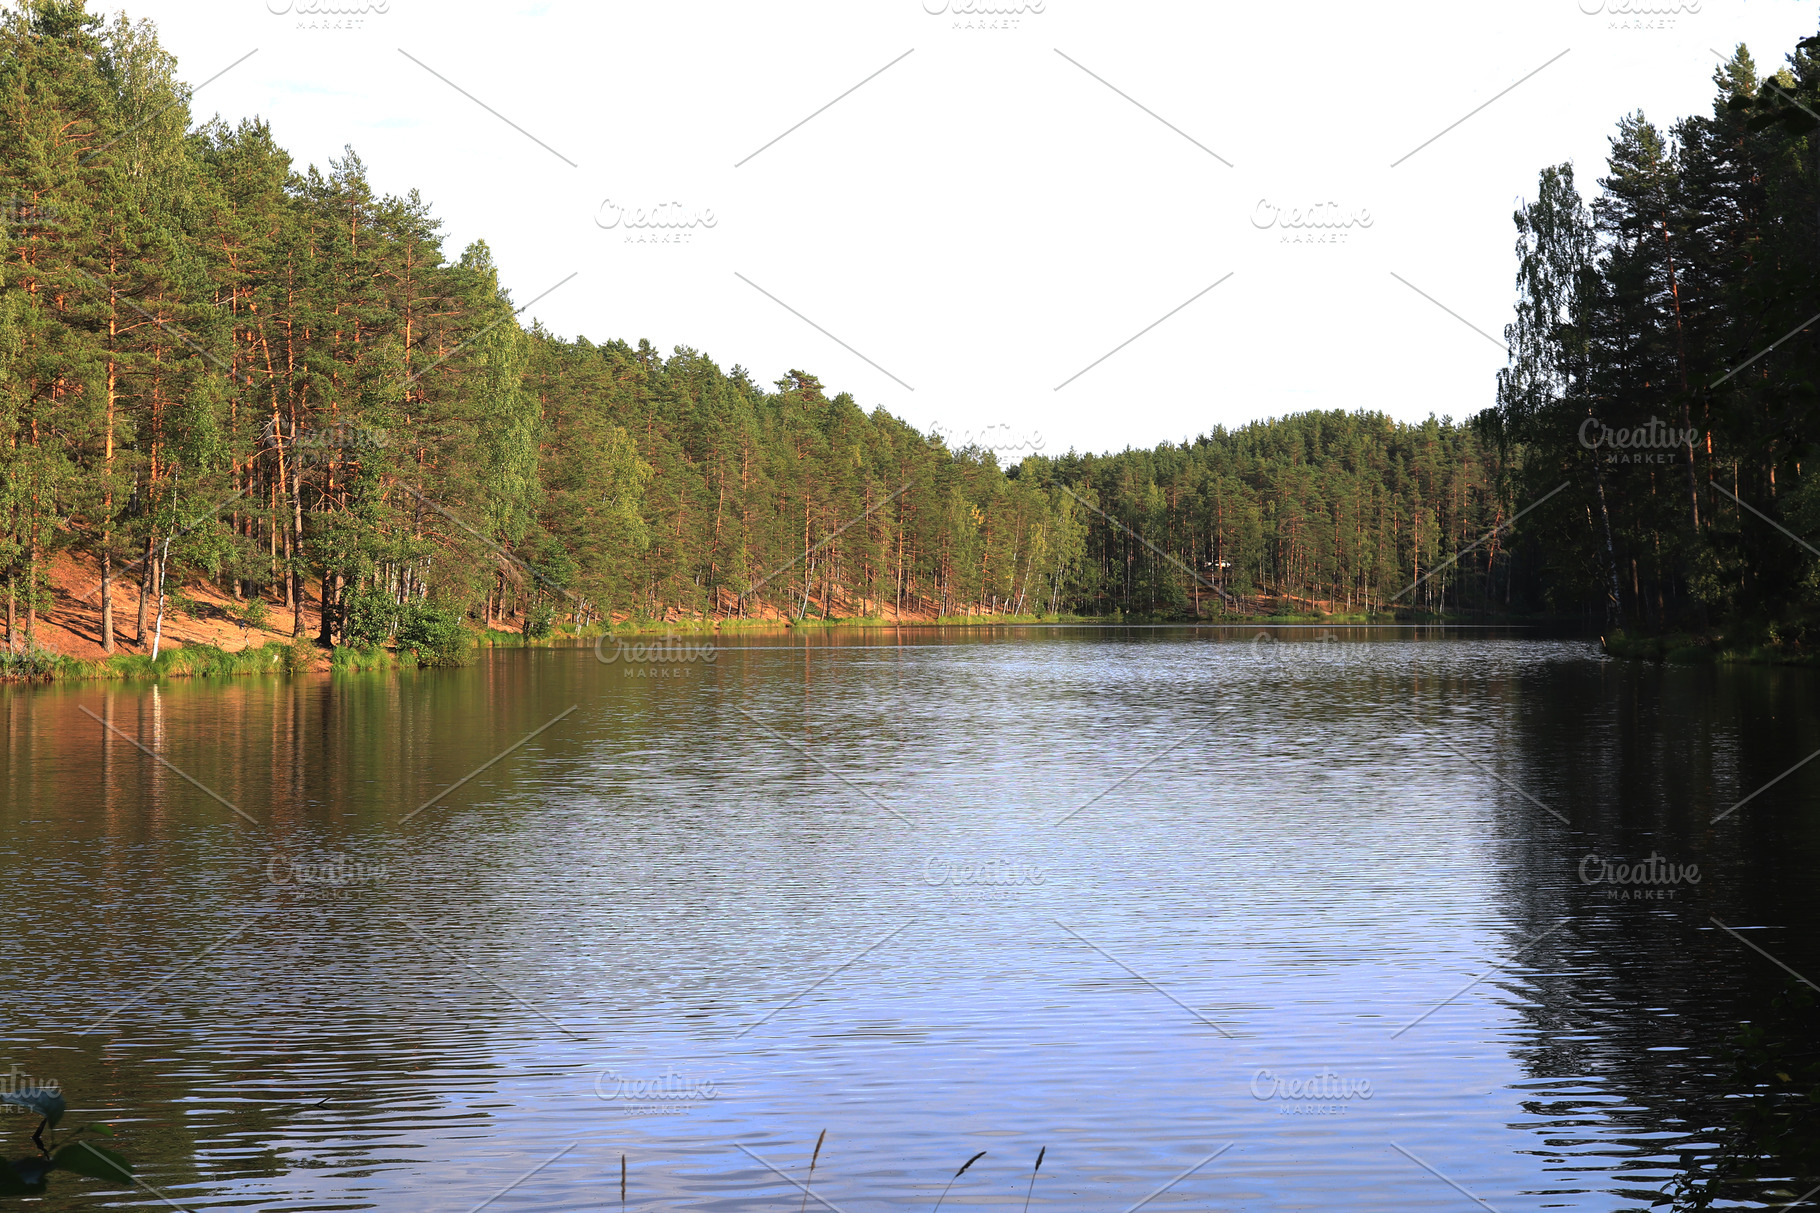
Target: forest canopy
x,y
219,364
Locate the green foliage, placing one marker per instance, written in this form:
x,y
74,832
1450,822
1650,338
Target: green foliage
x,y
398,438
295,657
179,603
32,662
197,660
435,635
254,613
405,439
97,1162
348,658
1637,315
371,616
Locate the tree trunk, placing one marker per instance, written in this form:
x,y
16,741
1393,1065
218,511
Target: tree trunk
x,y
158,632
107,598
145,592
1611,552
326,611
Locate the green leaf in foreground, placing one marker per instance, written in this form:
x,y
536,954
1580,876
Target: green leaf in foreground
x,y
97,1162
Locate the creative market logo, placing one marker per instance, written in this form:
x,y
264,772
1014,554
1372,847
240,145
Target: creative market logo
x,y
1324,1094
1640,14
328,14
998,438
668,657
335,872
662,223
17,1082
983,14
28,215
976,879
1652,443
1652,879
662,1096
313,445
1316,223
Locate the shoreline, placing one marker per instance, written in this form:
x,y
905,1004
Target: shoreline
x,y
1685,648
303,655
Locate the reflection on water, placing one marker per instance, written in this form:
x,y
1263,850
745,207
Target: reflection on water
x,y
1302,923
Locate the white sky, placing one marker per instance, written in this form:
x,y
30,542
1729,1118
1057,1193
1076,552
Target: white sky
x,y
984,219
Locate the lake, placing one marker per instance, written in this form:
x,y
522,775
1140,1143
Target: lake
x,y
1232,918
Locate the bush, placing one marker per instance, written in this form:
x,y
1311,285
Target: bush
x,y
435,633
540,621
255,614
30,662
296,656
370,616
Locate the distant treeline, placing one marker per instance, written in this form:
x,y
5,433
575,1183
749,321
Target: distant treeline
x,y
219,366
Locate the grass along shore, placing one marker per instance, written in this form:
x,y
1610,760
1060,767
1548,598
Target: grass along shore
x,y
303,655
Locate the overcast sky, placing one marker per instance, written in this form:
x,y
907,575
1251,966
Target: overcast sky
x,y
1006,199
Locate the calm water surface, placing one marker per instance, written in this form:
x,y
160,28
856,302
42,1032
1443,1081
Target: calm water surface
x,y
1294,924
